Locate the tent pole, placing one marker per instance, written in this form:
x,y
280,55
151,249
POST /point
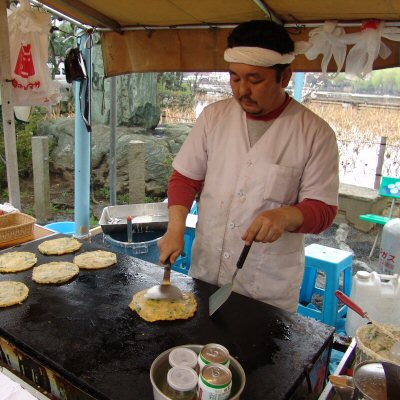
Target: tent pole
x,y
113,139
82,151
7,102
298,86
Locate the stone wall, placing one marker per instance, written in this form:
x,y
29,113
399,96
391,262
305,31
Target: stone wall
x,y
356,200
161,146
137,97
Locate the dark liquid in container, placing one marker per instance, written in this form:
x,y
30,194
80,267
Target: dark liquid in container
x,y
138,237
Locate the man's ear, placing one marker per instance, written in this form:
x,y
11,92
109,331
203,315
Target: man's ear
x,y
285,78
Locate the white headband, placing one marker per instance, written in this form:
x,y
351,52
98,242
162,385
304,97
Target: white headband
x,y
256,56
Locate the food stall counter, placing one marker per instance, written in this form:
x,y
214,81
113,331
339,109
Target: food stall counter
x,y
81,339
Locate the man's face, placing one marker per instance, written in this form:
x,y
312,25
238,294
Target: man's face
x,y
256,88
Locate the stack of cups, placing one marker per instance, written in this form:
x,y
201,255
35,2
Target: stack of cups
x,y
212,364
182,377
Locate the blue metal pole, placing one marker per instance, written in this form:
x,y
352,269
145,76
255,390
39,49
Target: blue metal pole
x,y
298,86
82,151
113,144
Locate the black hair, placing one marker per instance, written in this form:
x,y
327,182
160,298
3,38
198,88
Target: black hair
x,y
264,34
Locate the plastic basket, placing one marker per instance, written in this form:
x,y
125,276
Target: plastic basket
x,y
15,226
367,345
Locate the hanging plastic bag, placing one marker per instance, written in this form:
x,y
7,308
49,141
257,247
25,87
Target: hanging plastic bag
x,y
31,77
75,68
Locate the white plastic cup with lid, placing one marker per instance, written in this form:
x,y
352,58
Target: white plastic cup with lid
x,y
181,383
182,356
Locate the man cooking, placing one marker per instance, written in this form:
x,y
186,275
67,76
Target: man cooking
x,y
267,170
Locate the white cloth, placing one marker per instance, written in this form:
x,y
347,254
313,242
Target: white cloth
x,y
10,390
296,158
256,56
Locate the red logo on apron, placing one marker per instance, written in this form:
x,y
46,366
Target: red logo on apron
x,y
25,69
24,66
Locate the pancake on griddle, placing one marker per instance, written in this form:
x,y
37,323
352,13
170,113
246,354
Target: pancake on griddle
x,y
95,259
161,310
12,292
59,246
16,261
55,272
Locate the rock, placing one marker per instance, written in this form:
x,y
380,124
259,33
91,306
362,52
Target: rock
x,y
161,146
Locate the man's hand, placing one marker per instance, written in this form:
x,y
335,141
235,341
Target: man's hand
x,y
269,226
171,245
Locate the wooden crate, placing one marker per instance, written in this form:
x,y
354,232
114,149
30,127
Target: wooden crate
x,y
15,226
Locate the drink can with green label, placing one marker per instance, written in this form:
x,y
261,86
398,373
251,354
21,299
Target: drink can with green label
x,y
215,382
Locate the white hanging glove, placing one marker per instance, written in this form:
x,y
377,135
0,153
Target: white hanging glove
x,y
368,46
325,40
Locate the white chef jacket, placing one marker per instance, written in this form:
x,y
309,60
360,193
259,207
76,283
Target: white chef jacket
x,y
295,159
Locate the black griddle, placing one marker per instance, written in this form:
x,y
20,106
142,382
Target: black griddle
x,y
86,333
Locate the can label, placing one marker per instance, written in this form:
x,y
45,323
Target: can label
x,y
215,383
213,353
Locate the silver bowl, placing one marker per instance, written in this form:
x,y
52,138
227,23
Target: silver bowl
x,y
160,366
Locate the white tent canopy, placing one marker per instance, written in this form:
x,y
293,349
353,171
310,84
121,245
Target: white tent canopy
x,y
158,35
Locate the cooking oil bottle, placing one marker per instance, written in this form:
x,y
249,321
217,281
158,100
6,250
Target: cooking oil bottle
x,y
389,254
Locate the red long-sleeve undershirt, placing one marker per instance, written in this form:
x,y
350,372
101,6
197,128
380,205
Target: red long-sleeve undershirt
x,y
318,215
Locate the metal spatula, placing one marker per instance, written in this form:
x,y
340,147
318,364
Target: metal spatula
x,y
165,291
222,294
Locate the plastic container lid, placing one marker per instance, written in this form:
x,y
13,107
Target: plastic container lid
x,y
363,275
182,378
182,356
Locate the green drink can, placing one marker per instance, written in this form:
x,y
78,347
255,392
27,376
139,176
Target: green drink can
x,y
213,353
215,382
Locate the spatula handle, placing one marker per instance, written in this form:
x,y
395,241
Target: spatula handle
x,y
167,273
350,303
243,255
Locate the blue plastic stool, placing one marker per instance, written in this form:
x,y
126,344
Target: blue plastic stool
x,y
195,208
182,264
66,227
333,262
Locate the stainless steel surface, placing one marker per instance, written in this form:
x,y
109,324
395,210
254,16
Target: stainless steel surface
x,y
159,368
370,380
222,294
147,216
165,291
377,380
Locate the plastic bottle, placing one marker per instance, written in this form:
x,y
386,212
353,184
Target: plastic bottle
x,y
376,294
389,254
